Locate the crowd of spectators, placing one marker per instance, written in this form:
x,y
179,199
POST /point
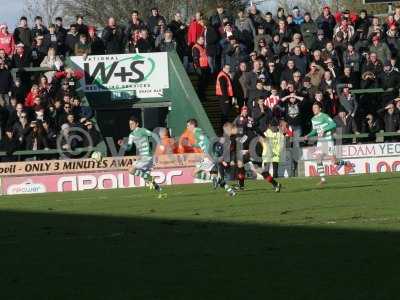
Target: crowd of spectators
x,y
41,110
277,66
266,66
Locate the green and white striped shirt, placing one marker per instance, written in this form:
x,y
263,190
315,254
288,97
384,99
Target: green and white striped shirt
x,y
323,125
140,137
202,141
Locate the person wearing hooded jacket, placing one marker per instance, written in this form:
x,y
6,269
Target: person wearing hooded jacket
x,y
6,40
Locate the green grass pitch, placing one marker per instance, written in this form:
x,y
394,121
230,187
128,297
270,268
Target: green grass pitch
x,y
337,242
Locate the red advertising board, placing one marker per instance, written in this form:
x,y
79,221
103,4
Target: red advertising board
x,y
356,166
86,174
14,185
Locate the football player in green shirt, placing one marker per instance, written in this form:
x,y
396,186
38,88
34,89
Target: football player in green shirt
x,y
323,127
140,137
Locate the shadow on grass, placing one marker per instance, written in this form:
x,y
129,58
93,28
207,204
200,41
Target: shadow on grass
x,y
60,256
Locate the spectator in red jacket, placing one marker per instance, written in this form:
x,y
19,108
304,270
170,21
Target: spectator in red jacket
x,y
69,74
6,40
346,14
30,98
196,29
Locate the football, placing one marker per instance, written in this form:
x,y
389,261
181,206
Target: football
x,y
97,156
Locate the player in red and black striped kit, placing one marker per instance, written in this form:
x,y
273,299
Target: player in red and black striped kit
x,y
234,157
243,132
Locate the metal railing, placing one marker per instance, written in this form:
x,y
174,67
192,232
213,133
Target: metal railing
x,y
14,71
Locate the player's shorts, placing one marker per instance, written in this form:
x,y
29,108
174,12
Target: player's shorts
x,y
206,165
325,148
144,164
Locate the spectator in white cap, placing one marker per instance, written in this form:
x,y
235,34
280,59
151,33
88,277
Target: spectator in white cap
x,y
21,59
